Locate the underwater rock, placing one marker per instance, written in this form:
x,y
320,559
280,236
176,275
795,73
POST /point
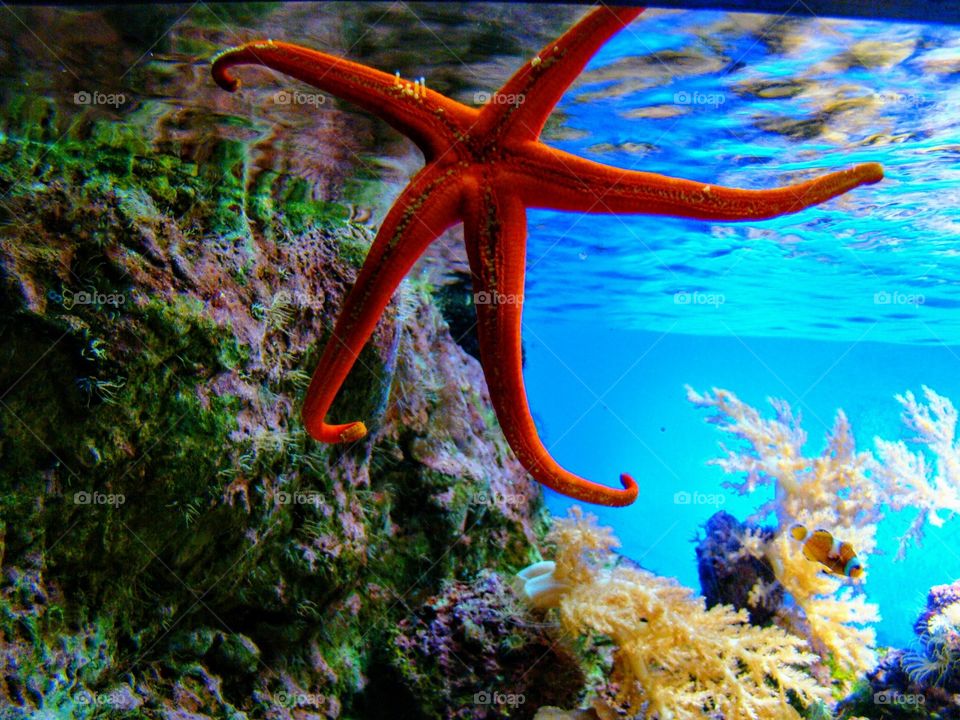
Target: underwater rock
x,y
467,653
939,600
177,469
728,572
922,681
236,654
554,713
165,519
937,663
455,300
889,694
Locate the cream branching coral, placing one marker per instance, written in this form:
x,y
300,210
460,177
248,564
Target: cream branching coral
x,y
910,479
833,491
842,491
674,658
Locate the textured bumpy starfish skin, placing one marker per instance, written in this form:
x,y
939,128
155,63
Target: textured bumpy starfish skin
x,y
484,168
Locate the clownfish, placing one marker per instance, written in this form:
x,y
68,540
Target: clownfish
x,y
820,546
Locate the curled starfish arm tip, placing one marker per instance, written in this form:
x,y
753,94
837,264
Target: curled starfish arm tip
x,y
353,432
433,121
581,489
547,472
398,244
221,73
621,498
345,433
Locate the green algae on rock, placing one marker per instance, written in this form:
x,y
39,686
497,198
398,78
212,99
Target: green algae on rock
x,y
172,539
172,544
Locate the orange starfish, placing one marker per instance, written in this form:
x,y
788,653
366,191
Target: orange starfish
x,y
484,167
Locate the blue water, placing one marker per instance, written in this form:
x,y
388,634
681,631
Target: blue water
x,y
840,306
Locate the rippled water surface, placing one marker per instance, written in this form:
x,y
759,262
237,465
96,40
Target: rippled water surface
x,y
755,102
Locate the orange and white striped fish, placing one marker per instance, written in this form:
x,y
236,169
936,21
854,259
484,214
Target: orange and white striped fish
x,y
820,546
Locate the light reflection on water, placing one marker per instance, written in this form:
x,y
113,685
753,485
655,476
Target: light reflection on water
x,y
741,100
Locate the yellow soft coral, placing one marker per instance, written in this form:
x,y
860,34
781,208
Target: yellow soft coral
x,y
675,659
833,491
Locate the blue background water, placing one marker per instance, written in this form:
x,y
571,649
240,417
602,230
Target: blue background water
x,y
840,306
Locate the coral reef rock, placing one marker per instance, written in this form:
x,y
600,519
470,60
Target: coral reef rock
x,y
468,653
923,681
172,542
728,573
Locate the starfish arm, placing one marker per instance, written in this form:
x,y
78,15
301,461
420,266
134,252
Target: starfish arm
x,y
555,179
495,228
528,98
434,122
428,206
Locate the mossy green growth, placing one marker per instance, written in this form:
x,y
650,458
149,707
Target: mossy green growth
x,y
236,14
123,460
155,467
223,195
54,665
300,210
115,454
844,677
